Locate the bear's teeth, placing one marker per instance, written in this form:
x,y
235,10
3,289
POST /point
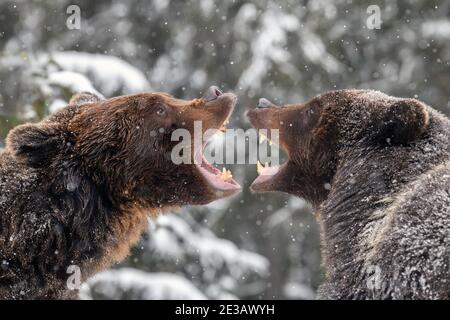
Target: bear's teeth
x,y
225,175
260,168
262,138
223,128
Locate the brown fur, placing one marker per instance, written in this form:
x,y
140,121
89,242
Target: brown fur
x,y
129,229
78,187
377,171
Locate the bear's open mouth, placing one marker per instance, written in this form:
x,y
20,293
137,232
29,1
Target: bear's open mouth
x,y
266,117
266,172
219,180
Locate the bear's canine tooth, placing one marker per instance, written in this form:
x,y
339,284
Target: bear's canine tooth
x,y
259,167
262,138
225,175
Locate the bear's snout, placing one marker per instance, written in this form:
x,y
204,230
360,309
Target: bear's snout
x,y
212,93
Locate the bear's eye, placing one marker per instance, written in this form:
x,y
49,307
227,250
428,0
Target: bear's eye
x,y
160,110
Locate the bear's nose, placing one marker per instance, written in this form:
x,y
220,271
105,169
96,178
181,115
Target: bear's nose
x,y
264,103
212,93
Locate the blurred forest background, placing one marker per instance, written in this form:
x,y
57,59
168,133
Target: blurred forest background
x,y
249,246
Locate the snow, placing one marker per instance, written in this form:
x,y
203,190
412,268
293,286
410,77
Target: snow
x,y
109,74
216,266
58,104
128,283
439,29
220,268
284,213
269,43
297,291
73,81
212,252
314,50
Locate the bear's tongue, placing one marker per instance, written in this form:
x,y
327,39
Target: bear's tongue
x,y
220,180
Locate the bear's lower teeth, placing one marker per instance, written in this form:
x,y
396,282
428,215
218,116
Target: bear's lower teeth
x,y
225,175
260,168
263,137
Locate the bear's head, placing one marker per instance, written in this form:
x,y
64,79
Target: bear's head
x,y
124,146
317,134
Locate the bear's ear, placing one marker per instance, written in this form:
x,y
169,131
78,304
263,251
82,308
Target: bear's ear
x,y
35,144
402,122
85,98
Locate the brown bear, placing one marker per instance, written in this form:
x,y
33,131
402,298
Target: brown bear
x,y
376,170
77,188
